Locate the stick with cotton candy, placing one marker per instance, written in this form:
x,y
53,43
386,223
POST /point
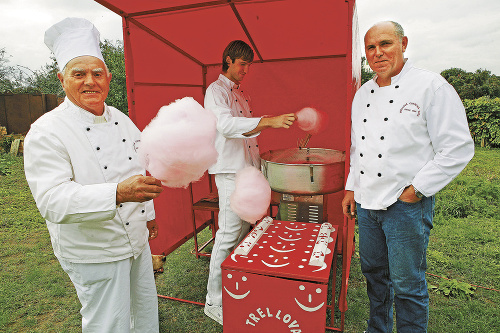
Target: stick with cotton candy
x,y
177,146
252,195
311,120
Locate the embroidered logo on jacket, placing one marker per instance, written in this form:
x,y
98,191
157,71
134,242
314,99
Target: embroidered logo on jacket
x,y
136,145
411,107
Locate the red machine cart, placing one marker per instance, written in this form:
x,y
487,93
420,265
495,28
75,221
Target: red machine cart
x,y
304,56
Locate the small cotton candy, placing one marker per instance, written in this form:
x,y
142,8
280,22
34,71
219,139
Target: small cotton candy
x,y
177,146
311,120
252,195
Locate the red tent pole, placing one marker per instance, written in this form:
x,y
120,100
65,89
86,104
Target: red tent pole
x,y
129,69
348,234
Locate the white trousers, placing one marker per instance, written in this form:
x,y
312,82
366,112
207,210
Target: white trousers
x,y
117,296
231,232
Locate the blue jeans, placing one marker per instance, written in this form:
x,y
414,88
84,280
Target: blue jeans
x,y
393,247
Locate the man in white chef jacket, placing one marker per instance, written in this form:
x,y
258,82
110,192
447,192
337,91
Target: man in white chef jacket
x,y
236,144
83,171
409,138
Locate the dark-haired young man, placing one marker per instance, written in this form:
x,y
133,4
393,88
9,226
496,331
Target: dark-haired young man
x,y
237,146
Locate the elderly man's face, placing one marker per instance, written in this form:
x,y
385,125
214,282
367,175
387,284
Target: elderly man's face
x,y
384,50
86,83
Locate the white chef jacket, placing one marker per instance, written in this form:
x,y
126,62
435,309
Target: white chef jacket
x,y
412,132
73,167
234,117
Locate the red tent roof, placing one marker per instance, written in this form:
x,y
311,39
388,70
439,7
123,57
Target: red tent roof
x,y
276,29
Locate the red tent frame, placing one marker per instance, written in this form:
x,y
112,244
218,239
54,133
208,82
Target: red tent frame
x,y
304,56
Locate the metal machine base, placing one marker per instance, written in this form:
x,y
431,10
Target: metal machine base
x,y
302,208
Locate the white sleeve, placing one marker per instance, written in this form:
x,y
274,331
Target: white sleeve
x,y
58,197
217,101
451,140
150,210
351,181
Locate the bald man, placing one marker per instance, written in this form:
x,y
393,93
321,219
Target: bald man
x,y
409,138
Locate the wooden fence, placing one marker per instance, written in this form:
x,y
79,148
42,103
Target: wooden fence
x,y
18,112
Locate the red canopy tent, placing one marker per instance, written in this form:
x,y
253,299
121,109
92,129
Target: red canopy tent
x,y
304,56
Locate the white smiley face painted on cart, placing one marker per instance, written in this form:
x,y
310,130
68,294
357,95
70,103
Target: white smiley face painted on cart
x,y
309,305
276,261
283,247
280,256
295,227
291,236
237,295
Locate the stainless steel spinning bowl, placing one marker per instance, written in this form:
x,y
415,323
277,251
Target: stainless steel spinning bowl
x,y
306,171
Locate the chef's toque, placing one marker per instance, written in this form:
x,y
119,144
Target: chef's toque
x,y
73,37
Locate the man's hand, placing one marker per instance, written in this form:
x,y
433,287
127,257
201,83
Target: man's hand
x,y
282,121
409,196
349,205
153,229
138,188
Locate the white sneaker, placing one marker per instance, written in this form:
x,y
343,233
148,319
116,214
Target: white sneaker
x,y
214,312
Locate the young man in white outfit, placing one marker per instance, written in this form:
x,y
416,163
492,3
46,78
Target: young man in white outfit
x,y
237,146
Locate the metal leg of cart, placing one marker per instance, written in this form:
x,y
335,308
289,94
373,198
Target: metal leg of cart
x,y
210,204
347,245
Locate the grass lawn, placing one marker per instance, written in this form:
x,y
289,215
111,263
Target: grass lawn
x,y
37,296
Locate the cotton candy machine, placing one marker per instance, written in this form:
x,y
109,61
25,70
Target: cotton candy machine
x,y
302,177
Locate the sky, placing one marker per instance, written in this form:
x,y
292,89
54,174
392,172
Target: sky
x,y
442,33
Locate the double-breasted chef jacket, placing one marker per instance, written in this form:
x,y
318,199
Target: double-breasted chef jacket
x,y
412,132
231,106
73,167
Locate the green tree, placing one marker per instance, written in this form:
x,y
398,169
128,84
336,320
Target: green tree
x,y
4,69
45,80
472,85
366,72
115,60
14,79
7,81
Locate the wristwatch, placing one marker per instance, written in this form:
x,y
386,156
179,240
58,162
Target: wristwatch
x,y
417,193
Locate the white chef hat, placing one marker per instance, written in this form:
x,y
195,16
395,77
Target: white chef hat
x,y
73,37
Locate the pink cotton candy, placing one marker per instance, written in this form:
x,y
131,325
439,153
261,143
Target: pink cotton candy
x,y
311,120
177,146
252,195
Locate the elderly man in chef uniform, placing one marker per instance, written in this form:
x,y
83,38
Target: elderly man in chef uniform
x,y
409,138
82,169
236,144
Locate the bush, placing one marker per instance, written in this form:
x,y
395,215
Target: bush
x,y
5,144
6,162
453,288
483,115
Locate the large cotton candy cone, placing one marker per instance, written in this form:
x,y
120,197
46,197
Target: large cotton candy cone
x,y
311,120
252,195
177,146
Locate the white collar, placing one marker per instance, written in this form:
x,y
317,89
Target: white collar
x,y
228,82
88,116
406,67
